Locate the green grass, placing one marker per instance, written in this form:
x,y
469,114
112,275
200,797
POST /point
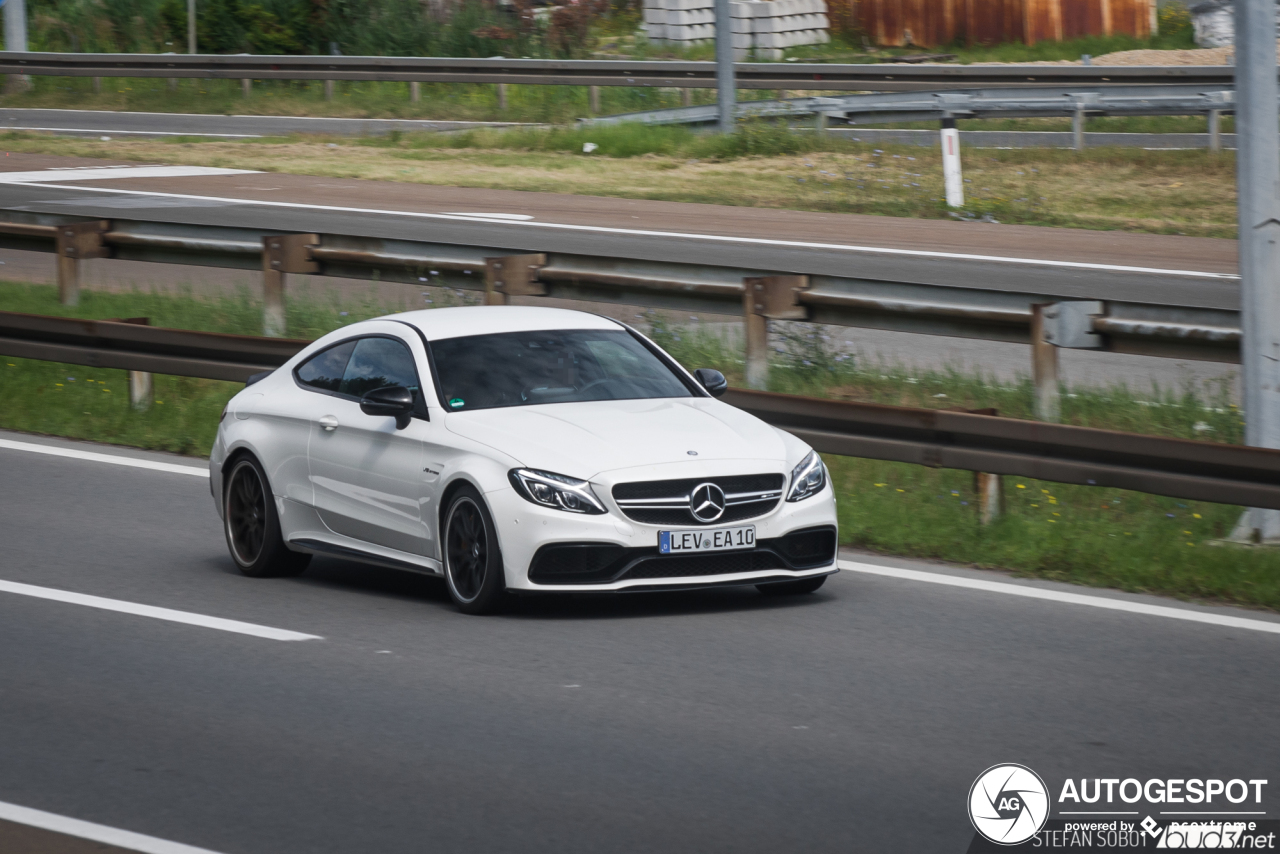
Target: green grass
x,y
1086,535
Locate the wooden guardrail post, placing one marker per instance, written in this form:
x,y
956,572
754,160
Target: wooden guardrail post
x,y
281,254
328,90
75,242
1044,367
766,298
246,86
415,91
502,96
593,99
513,276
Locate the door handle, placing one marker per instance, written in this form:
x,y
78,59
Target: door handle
x,y
329,423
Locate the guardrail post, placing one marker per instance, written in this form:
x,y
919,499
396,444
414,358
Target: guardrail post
x,y
140,382
1077,129
593,99
686,97
415,92
281,254
1215,131
75,242
1044,367
990,489
246,86
173,84
97,85
328,90
766,298
513,276
502,96
952,176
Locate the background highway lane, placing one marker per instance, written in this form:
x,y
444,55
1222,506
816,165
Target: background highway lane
x,y
1020,241
854,719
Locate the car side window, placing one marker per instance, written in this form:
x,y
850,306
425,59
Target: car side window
x,y
378,363
324,371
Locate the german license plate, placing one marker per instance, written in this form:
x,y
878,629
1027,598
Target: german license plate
x,y
707,540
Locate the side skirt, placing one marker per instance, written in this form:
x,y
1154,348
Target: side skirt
x,y
319,547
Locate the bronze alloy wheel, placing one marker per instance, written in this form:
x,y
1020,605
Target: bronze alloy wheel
x,y
246,513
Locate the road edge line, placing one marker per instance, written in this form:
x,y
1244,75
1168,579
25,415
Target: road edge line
x,y
93,456
1062,596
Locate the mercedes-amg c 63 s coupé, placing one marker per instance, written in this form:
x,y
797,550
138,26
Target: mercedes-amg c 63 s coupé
x,y
516,450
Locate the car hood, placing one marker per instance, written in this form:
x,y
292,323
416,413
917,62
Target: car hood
x,y
584,439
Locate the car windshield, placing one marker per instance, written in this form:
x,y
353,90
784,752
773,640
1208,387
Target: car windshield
x,y
526,368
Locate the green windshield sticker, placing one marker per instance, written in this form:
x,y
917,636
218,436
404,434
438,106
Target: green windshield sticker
x,y
457,401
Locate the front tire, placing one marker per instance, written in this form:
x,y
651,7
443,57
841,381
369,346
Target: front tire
x,y
792,588
473,567
252,526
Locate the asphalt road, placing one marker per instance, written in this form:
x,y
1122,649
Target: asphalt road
x,y
135,124
851,720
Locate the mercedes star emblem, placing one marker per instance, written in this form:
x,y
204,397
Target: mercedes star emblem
x,y
706,502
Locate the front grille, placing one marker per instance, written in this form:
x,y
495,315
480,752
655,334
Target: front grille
x,y
712,564
666,502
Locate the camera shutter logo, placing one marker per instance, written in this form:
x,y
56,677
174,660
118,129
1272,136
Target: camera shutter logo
x,y
1008,804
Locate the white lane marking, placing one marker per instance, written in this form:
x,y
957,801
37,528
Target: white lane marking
x,y
95,832
117,172
1061,596
113,459
168,614
757,241
516,217
136,132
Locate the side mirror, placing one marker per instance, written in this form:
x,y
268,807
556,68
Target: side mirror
x,y
712,380
395,400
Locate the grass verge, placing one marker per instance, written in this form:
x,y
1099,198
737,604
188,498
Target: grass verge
x,y
762,165
1087,535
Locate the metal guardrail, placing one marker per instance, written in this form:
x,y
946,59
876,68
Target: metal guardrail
x,y
687,75
1182,468
1025,102
116,344
1202,471
1198,322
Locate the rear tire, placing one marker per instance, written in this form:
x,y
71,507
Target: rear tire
x,y
792,588
473,567
252,525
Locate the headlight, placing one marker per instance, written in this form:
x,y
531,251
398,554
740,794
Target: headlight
x,y
808,478
556,491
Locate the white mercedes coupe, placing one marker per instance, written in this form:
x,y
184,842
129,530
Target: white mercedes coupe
x,y
516,450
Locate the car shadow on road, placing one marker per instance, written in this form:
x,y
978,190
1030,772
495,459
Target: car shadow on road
x,y
398,584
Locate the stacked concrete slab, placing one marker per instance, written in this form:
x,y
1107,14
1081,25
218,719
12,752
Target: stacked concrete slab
x,y
765,27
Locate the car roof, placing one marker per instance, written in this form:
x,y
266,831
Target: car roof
x,y
440,323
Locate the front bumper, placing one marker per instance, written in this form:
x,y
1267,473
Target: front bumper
x,y
626,553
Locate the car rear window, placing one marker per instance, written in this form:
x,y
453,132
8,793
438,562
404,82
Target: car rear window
x,y
527,368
